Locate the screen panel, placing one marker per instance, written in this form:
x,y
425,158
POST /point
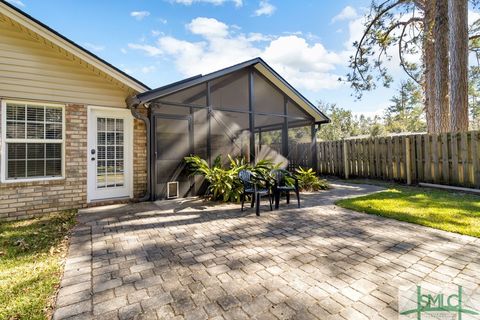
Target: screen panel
x,y
295,111
230,134
196,95
299,146
268,99
230,92
172,144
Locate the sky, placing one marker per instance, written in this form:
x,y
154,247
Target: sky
x,y
162,41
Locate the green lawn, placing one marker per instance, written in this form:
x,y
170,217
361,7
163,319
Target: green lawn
x,y
449,211
31,253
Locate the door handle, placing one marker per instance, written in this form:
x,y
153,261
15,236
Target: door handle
x,y
92,158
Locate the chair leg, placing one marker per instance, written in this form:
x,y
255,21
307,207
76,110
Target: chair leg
x,y
270,201
242,199
298,197
277,199
288,197
257,209
253,200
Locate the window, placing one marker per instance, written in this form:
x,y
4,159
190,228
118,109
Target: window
x,y
33,141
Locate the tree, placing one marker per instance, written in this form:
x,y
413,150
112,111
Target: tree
x,y
429,72
341,124
406,112
458,22
389,25
441,101
344,124
418,27
474,97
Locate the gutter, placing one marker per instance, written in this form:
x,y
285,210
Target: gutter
x,y
133,103
323,121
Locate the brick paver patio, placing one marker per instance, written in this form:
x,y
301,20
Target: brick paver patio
x,y
189,259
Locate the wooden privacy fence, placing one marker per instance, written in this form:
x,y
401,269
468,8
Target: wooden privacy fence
x,y
449,158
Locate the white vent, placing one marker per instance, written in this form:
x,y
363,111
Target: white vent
x,y
172,189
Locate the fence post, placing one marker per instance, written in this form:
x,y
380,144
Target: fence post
x,y
313,148
345,158
408,161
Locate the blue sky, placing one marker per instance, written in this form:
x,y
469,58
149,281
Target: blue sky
x,y
161,41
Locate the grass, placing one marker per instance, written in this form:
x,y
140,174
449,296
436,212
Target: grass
x,y
31,254
444,210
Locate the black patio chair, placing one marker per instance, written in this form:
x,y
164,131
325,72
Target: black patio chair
x,y
252,186
280,186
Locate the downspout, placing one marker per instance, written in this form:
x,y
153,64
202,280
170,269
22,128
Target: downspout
x,y
133,103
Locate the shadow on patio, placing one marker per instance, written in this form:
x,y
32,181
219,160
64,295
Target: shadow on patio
x,y
196,259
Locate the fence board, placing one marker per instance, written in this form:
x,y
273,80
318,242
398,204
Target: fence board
x,y
454,143
389,159
464,158
412,158
376,146
427,159
475,160
419,157
447,158
435,163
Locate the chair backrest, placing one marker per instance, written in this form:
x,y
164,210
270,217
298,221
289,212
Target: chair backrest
x,y
279,176
246,177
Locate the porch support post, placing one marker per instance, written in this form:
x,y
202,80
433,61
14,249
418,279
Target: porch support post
x,y
285,128
251,118
209,125
259,137
314,147
153,155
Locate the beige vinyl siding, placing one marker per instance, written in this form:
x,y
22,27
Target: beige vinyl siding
x,y
33,69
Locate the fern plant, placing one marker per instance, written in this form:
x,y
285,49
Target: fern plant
x,y
308,180
223,181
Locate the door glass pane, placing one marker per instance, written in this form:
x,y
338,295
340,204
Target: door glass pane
x,y
110,153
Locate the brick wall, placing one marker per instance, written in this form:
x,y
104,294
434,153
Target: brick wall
x,y
139,157
27,199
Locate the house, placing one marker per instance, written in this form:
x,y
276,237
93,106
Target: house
x,y
78,132
67,137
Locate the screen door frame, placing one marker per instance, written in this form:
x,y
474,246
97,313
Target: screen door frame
x,y
159,116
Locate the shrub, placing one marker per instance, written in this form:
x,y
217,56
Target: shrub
x,y
223,182
308,180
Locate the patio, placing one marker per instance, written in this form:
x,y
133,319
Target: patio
x,y
197,260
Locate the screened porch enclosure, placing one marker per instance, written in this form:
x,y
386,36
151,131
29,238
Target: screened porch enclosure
x,y
241,114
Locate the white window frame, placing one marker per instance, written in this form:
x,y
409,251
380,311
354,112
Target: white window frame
x,y
3,145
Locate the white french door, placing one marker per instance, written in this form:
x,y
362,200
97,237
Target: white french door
x,y
110,153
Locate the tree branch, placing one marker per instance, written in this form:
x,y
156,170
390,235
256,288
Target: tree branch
x,y
369,27
400,54
393,27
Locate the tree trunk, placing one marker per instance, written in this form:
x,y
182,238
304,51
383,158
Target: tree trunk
x,y
442,106
458,41
429,63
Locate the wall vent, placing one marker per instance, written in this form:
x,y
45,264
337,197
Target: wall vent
x,y
172,190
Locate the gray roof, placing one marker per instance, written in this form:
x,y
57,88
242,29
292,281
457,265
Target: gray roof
x,y
151,95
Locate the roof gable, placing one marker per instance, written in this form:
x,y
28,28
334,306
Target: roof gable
x,y
37,27
260,65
